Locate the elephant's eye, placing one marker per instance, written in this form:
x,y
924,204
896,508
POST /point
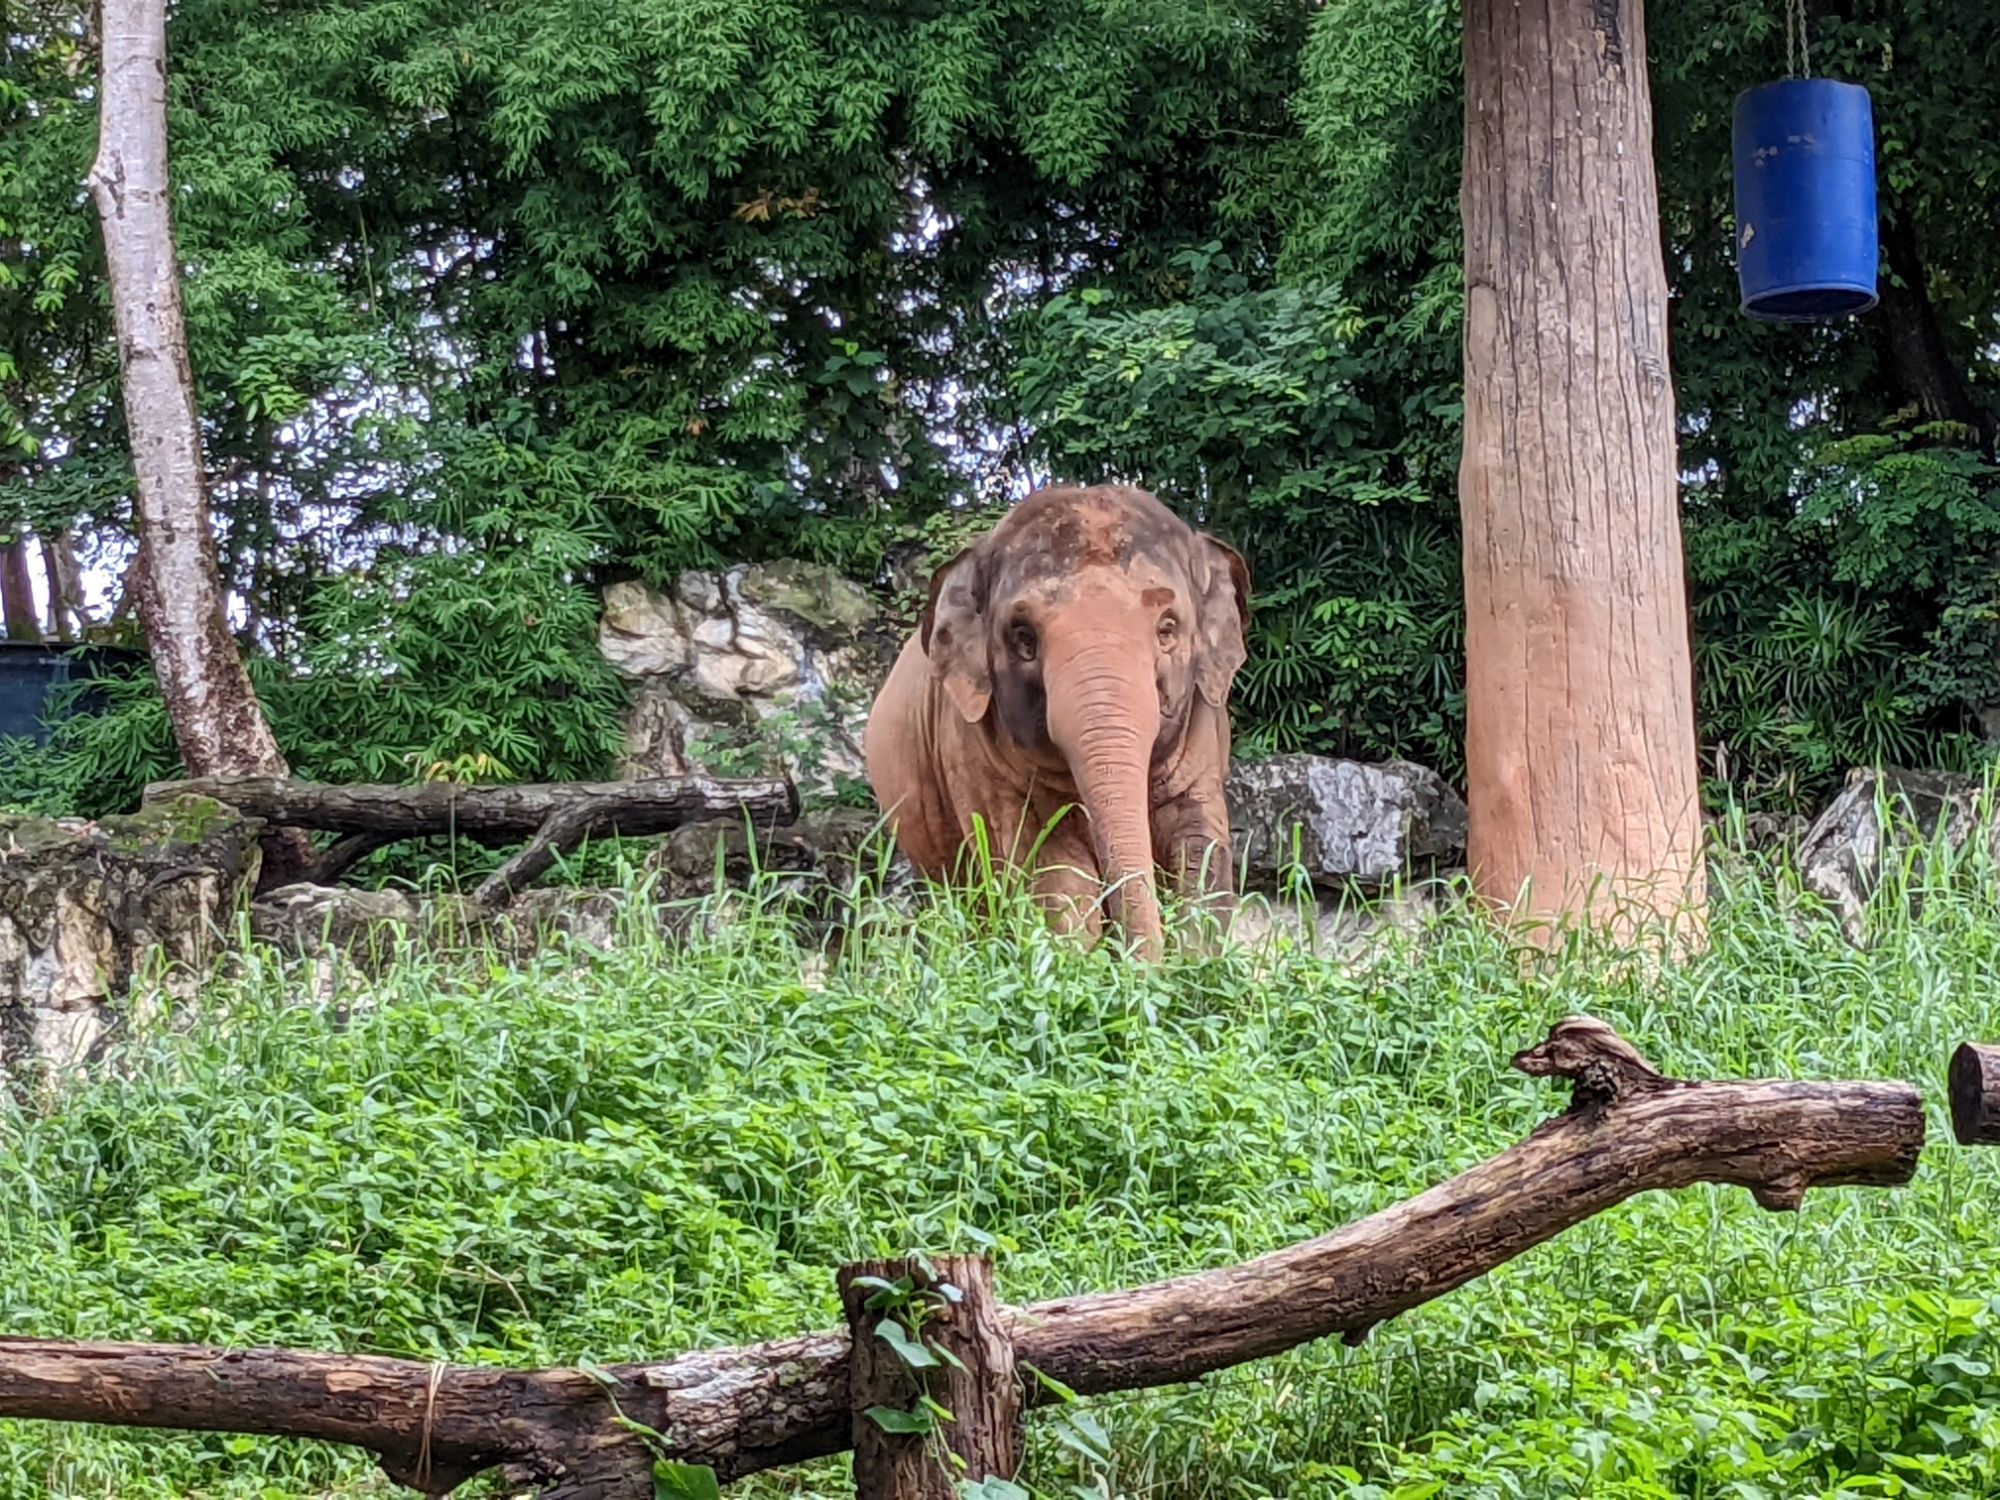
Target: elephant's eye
x,y
1169,630
1021,641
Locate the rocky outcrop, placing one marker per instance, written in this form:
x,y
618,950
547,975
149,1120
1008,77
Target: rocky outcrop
x,y
87,907
1342,822
1881,815
761,668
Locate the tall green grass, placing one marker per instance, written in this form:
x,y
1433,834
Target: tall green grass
x,y
673,1141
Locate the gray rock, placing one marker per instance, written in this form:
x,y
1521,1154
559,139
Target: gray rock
x,y
1341,821
827,848
86,907
770,667
311,919
1841,856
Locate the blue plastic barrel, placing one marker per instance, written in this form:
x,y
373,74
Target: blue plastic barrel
x,y
1805,200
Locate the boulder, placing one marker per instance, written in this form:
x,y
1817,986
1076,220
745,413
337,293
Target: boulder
x,y
1841,856
305,918
826,849
759,668
1341,821
87,907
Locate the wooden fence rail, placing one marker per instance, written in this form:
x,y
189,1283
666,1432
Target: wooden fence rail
x,y
596,1435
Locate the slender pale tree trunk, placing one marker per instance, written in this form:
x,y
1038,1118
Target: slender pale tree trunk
x,y
217,720
69,616
1580,735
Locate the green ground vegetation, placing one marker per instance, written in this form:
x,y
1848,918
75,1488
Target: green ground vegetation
x,y
671,1142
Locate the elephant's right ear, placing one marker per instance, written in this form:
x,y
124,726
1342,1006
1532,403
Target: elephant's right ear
x,y
953,637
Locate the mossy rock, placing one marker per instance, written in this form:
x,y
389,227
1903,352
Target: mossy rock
x,y
811,592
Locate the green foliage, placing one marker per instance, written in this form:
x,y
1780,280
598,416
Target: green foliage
x,y
464,1160
491,305
1245,406
804,736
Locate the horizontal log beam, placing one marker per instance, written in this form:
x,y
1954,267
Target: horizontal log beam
x,y
1628,1130
490,814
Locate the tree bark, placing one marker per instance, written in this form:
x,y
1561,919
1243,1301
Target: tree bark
x,y
218,723
1975,1095
23,616
976,1384
69,617
1582,776
1628,1130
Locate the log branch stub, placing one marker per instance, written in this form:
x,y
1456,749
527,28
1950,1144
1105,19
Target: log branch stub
x,y
1975,1094
345,852
963,1329
758,1406
1601,1065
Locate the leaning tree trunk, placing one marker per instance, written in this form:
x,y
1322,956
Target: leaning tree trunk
x,y
1580,735
218,723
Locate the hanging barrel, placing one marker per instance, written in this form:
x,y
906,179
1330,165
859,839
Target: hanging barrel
x,y
1805,200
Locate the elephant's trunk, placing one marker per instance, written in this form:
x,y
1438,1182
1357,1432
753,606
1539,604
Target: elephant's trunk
x,y
1104,715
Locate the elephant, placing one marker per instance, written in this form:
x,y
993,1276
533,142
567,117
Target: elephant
x,y
1069,686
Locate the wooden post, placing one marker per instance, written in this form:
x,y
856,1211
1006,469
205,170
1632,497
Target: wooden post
x,y
1581,764
964,1363
1975,1095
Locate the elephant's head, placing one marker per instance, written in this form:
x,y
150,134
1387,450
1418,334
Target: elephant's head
x,y
1086,624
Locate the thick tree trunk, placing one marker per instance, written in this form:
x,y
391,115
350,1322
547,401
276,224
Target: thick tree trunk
x,y
1916,359
23,616
1580,738
974,1380
218,723
1628,1130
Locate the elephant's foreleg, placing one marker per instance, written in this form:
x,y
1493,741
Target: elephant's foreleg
x,y
1191,843
1071,895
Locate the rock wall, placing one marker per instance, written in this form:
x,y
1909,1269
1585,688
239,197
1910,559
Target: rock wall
x,y
87,907
758,668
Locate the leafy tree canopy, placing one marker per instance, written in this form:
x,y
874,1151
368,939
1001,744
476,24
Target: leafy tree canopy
x,y
492,303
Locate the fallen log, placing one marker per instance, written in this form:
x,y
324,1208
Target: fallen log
x,y
1974,1084
553,817
1627,1130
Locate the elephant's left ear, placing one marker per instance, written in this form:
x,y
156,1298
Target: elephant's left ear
x,y
952,637
1225,618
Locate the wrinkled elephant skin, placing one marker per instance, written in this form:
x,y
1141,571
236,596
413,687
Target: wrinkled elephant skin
x,y
1069,688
